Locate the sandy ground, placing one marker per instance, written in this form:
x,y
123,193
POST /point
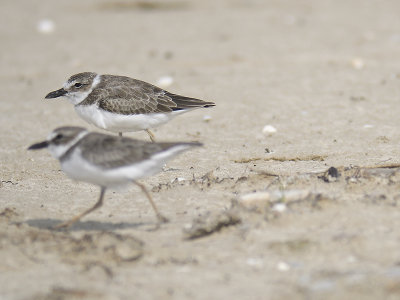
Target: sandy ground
x,y
325,74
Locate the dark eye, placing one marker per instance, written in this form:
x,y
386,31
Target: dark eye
x,y
58,136
78,85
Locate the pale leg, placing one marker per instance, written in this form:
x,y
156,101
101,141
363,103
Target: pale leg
x,y
160,217
76,218
151,135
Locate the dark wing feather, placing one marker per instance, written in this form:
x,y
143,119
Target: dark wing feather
x,y
183,102
130,96
109,152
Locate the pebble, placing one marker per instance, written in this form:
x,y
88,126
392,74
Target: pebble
x,y
178,179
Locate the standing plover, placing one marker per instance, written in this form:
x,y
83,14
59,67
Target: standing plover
x,y
108,161
122,104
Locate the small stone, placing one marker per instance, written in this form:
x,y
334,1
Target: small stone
x,y
267,150
331,175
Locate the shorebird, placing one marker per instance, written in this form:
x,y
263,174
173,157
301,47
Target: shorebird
x,y
108,161
122,104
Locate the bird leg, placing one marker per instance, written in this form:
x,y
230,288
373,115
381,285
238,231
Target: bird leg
x,y
160,217
151,135
78,217
120,133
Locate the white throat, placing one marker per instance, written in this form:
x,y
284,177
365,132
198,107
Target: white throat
x,y
77,97
59,150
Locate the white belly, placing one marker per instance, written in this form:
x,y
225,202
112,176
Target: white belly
x,y
80,169
123,123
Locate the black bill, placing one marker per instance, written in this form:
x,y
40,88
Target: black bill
x,y
56,94
39,146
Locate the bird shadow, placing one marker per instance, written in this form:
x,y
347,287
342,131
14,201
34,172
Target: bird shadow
x,y
85,226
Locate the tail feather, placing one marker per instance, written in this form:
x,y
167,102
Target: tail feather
x,y
170,150
183,102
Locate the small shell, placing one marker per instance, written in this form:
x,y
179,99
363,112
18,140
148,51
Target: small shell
x,y
268,129
178,179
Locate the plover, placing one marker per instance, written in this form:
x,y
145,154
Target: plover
x,y
122,104
108,161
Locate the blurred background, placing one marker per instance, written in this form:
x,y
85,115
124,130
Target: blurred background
x,y
308,68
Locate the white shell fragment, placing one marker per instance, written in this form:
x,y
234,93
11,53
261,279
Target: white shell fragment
x,y
46,26
256,197
258,201
178,179
368,126
357,63
165,81
279,199
268,129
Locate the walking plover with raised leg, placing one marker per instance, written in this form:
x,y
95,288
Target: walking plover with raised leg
x,y
108,161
